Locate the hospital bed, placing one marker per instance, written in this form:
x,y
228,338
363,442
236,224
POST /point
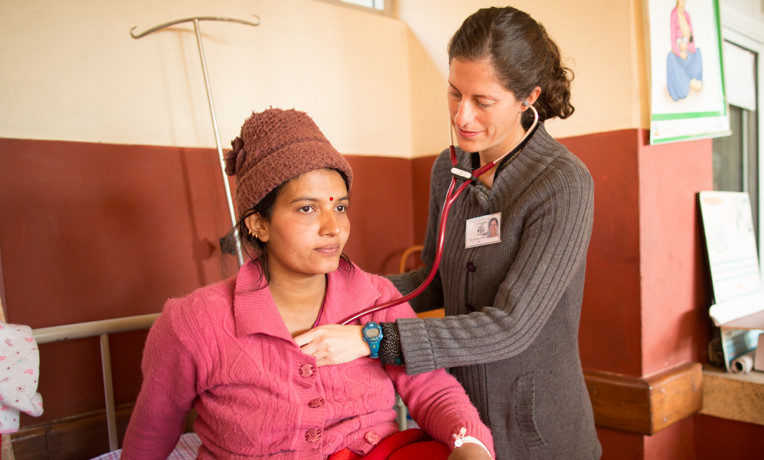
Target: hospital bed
x,y
189,442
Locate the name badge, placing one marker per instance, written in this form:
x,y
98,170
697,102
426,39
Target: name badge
x,y
482,230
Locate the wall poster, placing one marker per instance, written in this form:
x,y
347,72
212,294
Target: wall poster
x,y
687,97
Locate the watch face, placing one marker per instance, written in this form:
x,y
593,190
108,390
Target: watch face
x,y
372,332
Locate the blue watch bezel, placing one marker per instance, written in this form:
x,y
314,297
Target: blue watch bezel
x,y
373,342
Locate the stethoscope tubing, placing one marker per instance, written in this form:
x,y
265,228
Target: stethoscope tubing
x,y
451,197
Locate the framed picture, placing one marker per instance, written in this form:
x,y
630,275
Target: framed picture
x,y
687,97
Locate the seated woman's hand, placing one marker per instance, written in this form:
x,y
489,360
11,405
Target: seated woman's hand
x,y
469,451
333,344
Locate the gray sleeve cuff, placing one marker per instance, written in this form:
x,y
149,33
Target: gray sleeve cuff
x,y
415,343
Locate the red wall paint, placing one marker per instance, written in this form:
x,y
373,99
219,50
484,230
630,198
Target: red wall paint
x,y
380,212
676,442
92,231
717,438
95,231
420,172
665,323
619,445
609,335
675,301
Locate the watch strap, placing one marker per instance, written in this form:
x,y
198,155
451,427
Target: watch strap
x,y
390,351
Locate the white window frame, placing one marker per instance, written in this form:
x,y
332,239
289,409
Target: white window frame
x,y
747,33
388,11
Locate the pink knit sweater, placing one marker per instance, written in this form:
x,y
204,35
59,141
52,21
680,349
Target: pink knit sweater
x,y
225,351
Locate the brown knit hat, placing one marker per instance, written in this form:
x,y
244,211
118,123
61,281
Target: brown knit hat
x,y
275,146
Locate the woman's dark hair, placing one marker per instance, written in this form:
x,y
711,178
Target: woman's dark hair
x,y
521,52
265,209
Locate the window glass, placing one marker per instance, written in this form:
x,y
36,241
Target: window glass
x,y
736,157
375,4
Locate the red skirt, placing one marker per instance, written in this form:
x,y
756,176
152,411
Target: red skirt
x,y
413,443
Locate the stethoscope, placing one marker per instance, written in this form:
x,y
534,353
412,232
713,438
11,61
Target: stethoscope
x,y
451,196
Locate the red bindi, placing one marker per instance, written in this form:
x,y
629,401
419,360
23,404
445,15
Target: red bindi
x,y
331,198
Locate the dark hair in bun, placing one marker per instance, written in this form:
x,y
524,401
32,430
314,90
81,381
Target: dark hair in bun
x,y
522,54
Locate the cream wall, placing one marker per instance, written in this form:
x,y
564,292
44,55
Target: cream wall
x,y
745,18
376,85
71,71
602,41
752,9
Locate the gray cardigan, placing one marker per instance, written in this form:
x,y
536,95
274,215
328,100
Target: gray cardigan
x,y
510,334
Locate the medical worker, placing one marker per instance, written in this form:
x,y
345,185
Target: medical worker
x,y
510,334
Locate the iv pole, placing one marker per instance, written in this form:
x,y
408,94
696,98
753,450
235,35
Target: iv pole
x,y
210,102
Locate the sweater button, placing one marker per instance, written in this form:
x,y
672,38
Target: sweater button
x,y
316,403
471,266
313,435
371,437
306,370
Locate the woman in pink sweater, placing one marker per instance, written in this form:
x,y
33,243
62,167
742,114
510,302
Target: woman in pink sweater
x,y
227,350
684,64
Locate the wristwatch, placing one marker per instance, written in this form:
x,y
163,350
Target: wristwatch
x,y
372,335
